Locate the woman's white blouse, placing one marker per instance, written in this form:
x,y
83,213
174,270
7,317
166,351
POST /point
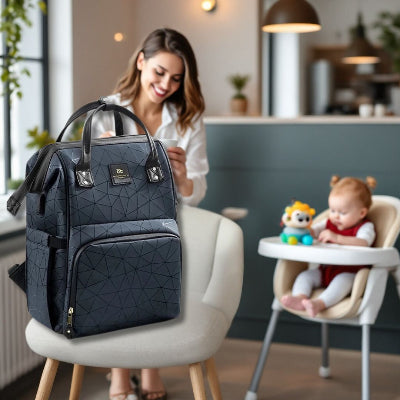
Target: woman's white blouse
x,y
193,142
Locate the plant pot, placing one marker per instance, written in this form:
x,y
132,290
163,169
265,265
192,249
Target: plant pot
x,y
239,106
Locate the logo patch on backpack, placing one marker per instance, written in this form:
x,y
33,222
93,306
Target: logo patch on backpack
x,y
120,174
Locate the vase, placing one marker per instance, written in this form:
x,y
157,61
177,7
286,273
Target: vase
x,y
238,106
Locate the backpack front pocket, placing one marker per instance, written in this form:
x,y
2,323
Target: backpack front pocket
x,y
123,282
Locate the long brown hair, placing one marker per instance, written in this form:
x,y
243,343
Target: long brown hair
x,y
188,99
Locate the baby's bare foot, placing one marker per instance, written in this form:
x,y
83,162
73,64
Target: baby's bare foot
x,y
313,307
293,302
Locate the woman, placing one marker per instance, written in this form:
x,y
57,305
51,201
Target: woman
x,y
161,87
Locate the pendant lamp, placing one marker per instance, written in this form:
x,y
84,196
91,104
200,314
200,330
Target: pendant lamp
x,y
360,50
291,16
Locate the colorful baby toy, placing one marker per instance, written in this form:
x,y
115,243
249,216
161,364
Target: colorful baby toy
x,y
297,220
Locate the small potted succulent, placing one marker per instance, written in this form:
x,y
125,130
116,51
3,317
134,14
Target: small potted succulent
x,y
239,100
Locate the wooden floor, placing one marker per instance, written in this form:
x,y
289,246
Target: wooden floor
x,y
291,372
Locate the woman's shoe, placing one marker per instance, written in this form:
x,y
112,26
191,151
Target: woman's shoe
x,y
132,394
125,396
160,395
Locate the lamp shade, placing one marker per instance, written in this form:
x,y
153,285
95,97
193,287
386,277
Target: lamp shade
x,y
360,50
291,16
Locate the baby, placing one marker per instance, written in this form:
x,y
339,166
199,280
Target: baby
x,y
349,202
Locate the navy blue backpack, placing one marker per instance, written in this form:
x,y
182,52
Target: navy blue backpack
x,y
103,250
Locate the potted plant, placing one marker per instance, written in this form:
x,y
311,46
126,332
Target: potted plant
x,y
388,25
39,138
239,100
14,16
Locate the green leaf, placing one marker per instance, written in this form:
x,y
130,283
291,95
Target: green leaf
x,y
388,26
42,6
14,15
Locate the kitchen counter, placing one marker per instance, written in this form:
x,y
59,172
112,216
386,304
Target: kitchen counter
x,y
307,119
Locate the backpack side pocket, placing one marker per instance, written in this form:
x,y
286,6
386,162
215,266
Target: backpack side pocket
x,y
41,251
17,273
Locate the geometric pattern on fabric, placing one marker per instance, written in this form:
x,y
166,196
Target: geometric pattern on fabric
x,y
56,289
44,210
82,215
105,202
37,274
45,276
129,282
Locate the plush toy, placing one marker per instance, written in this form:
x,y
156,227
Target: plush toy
x,y
297,220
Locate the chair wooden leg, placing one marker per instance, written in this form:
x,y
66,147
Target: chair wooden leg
x,y
47,379
76,383
212,378
196,377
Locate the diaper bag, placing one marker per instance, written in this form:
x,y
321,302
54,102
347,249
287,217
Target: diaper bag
x,y
103,250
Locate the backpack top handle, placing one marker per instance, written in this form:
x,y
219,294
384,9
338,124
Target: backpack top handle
x,y
83,170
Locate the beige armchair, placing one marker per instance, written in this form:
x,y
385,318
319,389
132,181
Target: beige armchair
x,y
211,288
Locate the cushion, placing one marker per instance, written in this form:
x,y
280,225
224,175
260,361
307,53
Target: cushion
x,y
194,336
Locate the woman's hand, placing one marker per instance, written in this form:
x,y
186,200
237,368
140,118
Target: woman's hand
x,y
107,134
177,157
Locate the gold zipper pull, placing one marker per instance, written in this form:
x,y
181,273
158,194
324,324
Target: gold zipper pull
x,y
68,332
69,321
70,314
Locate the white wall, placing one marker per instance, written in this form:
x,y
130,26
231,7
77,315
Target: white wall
x,y
98,60
225,42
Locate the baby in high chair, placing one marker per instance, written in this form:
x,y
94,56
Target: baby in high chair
x,y
349,201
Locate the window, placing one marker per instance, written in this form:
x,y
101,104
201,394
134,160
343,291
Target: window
x,y
32,109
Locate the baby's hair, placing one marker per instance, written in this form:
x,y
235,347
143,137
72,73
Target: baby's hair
x,y
361,189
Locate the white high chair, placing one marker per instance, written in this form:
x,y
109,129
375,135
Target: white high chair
x,y
365,300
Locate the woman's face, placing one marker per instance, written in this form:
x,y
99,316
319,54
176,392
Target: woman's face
x,y
161,75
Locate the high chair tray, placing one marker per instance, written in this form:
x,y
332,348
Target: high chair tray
x,y
327,253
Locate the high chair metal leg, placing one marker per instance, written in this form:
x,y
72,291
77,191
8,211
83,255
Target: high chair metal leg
x,y
365,385
324,369
396,276
252,392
